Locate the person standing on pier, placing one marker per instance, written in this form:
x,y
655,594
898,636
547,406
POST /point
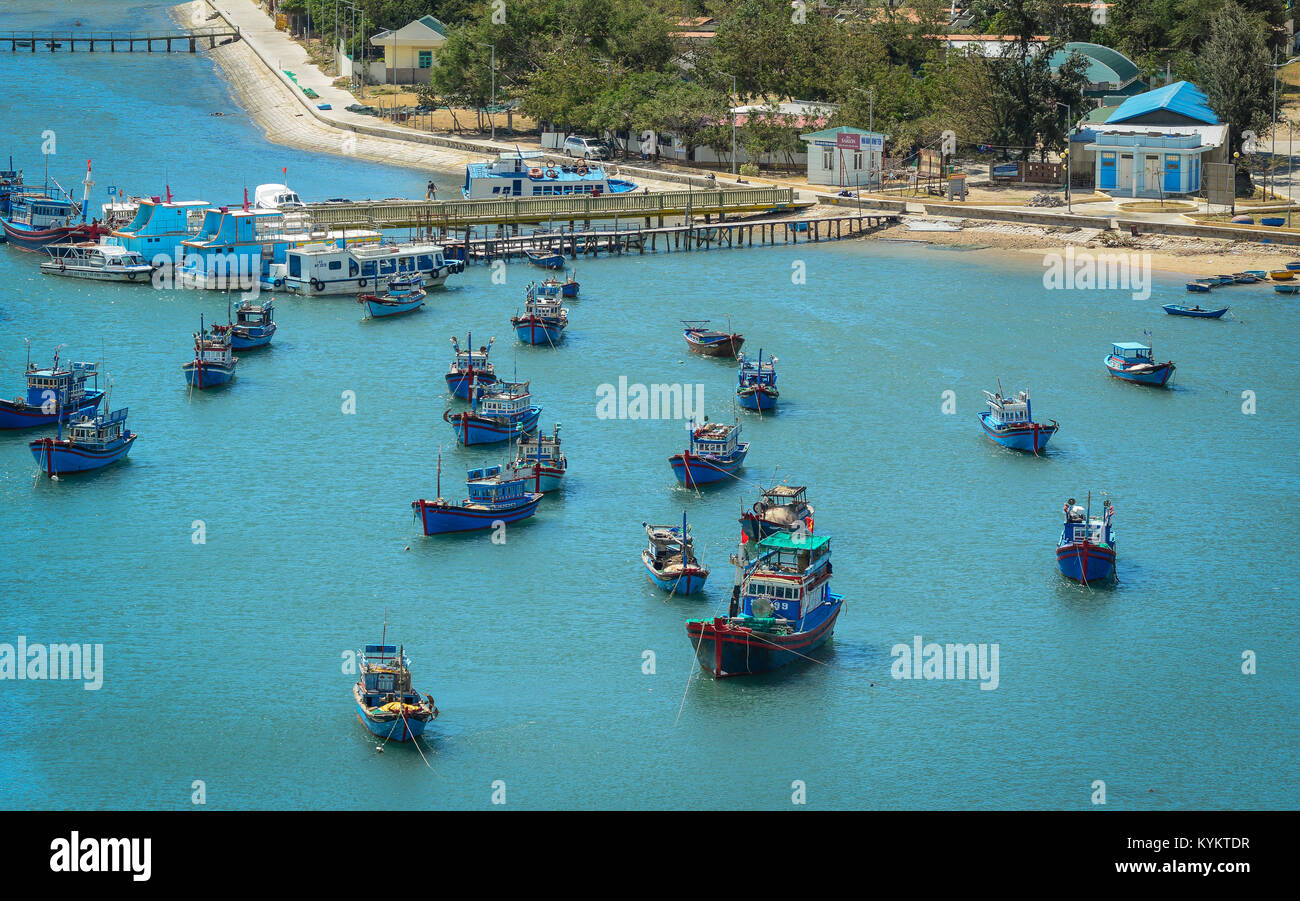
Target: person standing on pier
x,y
431,192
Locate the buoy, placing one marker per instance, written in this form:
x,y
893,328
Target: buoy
x,y
408,547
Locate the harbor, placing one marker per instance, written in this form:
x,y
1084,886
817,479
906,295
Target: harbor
x,y
574,465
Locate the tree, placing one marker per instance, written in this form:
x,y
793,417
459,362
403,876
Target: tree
x,y
1235,74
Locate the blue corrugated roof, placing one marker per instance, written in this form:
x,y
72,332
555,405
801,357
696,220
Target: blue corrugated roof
x,y
1181,97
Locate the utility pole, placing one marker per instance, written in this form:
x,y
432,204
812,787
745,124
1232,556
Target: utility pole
x,y
732,104
493,66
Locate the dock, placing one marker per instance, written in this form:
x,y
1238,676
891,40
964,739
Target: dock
x,y
450,215
119,41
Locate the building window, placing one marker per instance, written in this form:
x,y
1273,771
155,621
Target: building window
x,y
857,161
426,59
828,158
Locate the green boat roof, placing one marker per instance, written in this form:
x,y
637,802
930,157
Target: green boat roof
x,y
787,540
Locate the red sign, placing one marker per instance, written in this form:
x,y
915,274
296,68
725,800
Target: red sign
x,y
848,141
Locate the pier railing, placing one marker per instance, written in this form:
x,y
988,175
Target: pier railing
x,y
456,213
208,37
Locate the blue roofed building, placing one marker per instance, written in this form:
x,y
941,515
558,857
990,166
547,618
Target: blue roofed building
x,y
1154,144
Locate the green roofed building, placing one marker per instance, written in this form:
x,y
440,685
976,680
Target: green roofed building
x,y
409,51
1109,71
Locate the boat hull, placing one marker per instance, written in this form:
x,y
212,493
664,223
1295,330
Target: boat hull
x,y
57,457
25,238
136,277
757,399
692,470
1085,562
1157,375
378,310
1032,437
458,383
207,375
726,651
248,341
473,429
688,582
723,347
22,416
537,331
1175,310
392,727
440,519
542,479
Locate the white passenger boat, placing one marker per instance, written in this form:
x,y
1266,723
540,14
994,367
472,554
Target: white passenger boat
x,y
327,268
528,173
101,262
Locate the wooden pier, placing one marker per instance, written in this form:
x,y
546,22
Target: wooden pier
x,y
576,244
460,214
118,41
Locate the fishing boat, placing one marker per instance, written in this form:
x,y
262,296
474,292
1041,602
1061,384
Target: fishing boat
x,y
710,342
1174,309
493,498
553,287
254,325
545,259
386,703
214,360
55,393
1225,279
499,412
402,296
543,320
1245,278
1010,423
1287,289
1199,287
470,367
1293,265
539,461
1135,363
756,382
1259,274
49,217
99,262
1086,551
11,182
528,174
93,440
781,508
714,453
1281,275
347,265
670,559
782,609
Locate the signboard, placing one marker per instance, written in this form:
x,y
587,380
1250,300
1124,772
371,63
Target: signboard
x,y
865,142
848,141
1220,184
1006,170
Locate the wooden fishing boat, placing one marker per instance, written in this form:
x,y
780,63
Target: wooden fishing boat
x,y
1293,265
470,367
1086,551
214,361
543,320
1259,274
403,295
670,559
553,287
756,383
1222,279
1199,287
1134,363
714,453
1244,278
711,342
94,440
498,413
1174,309
781,610
53,393
545,259
1287,289
1009,422
254,325
493,498
386,703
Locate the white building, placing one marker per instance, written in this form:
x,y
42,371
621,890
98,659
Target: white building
x,y
409,51
845,156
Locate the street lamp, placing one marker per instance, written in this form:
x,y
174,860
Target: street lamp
x,y
871,106
493,65
734,99
1273,131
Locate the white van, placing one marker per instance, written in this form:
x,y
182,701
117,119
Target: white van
x,y
587,148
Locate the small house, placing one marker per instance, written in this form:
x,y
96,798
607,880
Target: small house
x,y
845,156
409,51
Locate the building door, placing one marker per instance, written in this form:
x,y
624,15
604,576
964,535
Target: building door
x,y
1173,173
1125,172
1151,172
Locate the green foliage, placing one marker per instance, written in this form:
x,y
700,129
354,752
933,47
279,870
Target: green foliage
x,y
1235,73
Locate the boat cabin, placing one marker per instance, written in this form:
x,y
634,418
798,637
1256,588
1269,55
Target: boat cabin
x,y
757,372
54,384
503,399
160,226
544,449
714,438
487,488
371,263
251,314
670,546
384,671
1006,411
98,430
790,577
38,211
544,307
528,174
104,257
213,346
1130,352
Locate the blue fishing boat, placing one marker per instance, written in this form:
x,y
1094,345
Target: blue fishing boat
x,y
1086,551
402,296
1287,289
1245,278
782,609
1294,265
93,440
1196,312
756,382
493,498
214,361
543,320
1199,287
1134,363
781,508
52,394
1010,423
670,559
498,413
387,705
254,325
715,452
540,461
553,287
546,259
11,182
1259,274
470,368
1222,279
50,216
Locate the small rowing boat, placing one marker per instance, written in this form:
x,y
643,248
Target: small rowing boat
x,y
710,342
402,296
1174,309
546,260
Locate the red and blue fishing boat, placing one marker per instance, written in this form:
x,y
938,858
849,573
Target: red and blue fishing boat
x,y
1086,551
670,559
403,295
470,368
540,462
52,394
49,217
756,382
387,705
254,325
781,508
553,287
543,320
498,413
214,361
493,498
782,609
1134,362
715,452
711,342
1174,309
1010,422
94,440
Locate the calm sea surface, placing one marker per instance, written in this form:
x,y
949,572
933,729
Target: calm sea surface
x,y
224,660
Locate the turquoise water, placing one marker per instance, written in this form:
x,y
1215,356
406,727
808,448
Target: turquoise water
x,y
223,661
